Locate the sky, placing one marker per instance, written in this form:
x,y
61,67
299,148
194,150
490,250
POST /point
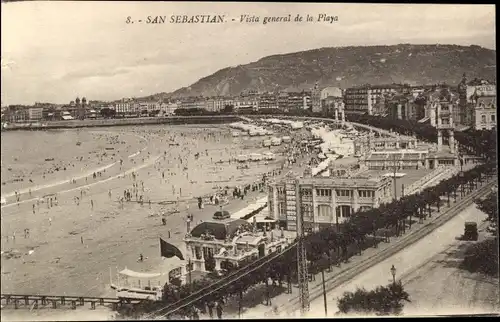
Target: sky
x,y
56,51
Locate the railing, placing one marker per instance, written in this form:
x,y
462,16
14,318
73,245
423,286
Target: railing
x,y
34,300
419,184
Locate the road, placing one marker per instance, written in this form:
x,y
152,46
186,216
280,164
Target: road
x,y
409,262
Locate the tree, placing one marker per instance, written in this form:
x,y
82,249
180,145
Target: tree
x,y
489,205
228,109
108,112
384,300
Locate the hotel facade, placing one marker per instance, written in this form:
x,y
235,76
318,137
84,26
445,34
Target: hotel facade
x,y
325,201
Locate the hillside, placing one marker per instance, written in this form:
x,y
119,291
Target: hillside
x,y
350,66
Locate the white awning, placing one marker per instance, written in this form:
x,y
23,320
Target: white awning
x,y
131,273
397,174
67,117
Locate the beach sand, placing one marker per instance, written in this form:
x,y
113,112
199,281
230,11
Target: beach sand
x,y
53,259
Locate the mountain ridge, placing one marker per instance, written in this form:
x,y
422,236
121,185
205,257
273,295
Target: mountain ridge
x,y
349,66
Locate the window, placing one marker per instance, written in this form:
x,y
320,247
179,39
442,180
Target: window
x,y
307,210
343,193
324,211
197,252
493,118
306,192
281,208
483,118
281,191
324,192
345,211
366,193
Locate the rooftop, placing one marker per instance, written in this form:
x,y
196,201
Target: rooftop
x,y
220,229
357,181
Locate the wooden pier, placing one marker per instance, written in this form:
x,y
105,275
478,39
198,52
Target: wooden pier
x,y
58,301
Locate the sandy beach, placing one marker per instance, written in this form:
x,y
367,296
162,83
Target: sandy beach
x,y
72,244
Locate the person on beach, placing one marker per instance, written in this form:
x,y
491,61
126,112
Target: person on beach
x,y
91,204
33,209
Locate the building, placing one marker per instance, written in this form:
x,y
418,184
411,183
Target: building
x,y
148,107
16,114
469,92
323,201
268,100
125,107
401,106
222,243
316,99
35,113
331,92
168,108
362,99
193,102
66,116
440,105
245,103
485,113
297,100
282,101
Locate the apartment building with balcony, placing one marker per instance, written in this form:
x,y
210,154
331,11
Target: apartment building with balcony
x,y
362,99
268,100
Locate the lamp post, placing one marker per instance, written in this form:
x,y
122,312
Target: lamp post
x,y
393,272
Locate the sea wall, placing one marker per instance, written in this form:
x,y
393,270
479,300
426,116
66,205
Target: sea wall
x,y
170,120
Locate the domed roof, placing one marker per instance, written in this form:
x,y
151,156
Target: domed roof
x,y
220,229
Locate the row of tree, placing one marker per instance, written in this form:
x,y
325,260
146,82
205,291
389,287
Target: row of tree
x,y
477,142
330,246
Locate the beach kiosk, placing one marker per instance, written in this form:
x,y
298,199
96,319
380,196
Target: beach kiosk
x,y
134,285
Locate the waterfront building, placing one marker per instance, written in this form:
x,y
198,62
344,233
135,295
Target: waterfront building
x,y
282,101
362,99
218,244
245,103
16,114
316,99
168,108
324,201
268,100
35,113
193,102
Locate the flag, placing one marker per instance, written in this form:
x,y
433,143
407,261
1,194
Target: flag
x,y
168,250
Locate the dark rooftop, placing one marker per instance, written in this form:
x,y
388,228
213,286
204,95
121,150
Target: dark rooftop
x,y
220,229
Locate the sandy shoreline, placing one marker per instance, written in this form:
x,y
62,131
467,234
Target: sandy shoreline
x,y
26,155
